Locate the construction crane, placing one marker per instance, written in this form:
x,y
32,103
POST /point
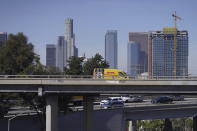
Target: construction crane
x,y
175,18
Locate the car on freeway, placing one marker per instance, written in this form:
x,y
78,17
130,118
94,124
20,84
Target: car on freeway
x,y
161,99
112,98
111,103
133,98
125,98
178,98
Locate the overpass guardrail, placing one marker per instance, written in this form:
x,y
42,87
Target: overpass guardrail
x,y
90,77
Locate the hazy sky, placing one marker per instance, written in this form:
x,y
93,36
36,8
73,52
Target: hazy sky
x,y
42,21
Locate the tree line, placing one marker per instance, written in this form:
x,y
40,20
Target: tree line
x,y
17,57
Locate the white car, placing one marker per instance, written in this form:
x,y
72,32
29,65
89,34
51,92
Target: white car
x,y
134,98
112,102
125,98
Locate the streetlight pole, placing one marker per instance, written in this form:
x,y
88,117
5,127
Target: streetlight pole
x,y
9,120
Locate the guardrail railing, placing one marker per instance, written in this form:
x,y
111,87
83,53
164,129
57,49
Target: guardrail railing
x,y
91,77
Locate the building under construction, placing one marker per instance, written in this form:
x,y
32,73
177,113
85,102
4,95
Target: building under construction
x,y
168,53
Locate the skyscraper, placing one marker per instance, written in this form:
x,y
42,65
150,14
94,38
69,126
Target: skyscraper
x,y
3,37
111,51
142,39
168,53
66,45
133,55
61,53
50,55
70,39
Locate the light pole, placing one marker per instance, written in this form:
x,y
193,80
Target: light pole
x,y
9,120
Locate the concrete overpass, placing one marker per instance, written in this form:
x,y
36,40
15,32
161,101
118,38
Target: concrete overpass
x,y
107,119
88,88
98,86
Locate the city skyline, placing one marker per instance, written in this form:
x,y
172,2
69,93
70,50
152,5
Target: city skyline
x,y
93,18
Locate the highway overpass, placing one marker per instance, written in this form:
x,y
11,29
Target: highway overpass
x,y
107,119
51,87
98,86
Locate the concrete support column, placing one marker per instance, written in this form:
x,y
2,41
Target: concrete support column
x,y
88,110
131,125
167,125
195,123
51,113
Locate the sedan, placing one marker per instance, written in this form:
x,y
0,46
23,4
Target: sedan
x,y
162,99
178,98
135,98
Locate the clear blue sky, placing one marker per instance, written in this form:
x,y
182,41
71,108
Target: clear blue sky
x,y
42,21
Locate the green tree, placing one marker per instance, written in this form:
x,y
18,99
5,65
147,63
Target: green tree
x,y
74,66
151,124
38,69
182,124
95,62
16,55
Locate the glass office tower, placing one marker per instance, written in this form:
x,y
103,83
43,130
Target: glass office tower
x,y
111,48
142,39
51,55
61,53
133,61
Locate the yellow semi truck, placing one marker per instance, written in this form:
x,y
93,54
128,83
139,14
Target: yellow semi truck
x,y
105,73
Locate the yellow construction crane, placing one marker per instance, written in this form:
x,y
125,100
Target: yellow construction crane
x,y
175,18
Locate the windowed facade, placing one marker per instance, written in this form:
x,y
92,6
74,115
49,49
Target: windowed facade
x,y
164,62
111,48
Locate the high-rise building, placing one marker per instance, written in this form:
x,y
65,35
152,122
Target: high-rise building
x,y
168,53
70,39
61,53
66,45
111,51
3,38
50,55
142,39
133,55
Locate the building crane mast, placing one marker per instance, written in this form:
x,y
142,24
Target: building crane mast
x,y
175,18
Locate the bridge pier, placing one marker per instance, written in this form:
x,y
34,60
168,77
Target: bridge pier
x,y
51,113
167,125
87,113
195,123
131,125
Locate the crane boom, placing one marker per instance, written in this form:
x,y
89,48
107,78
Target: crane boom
x,y
175,18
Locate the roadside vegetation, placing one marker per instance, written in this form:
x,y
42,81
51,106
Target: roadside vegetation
x,y
17,57
174,124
